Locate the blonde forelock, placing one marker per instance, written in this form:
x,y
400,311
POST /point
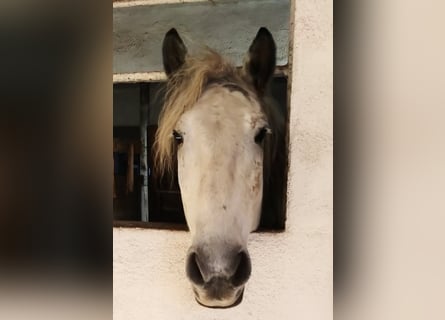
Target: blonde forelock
x,y
184,88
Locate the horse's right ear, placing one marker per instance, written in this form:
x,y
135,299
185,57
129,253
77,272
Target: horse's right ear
x,y
173,51
260,63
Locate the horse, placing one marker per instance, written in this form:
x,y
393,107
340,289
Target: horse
x,y
218,128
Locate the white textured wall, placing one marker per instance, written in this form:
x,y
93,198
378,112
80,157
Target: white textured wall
x,y
292,271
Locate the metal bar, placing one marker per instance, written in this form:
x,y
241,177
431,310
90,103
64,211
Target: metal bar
x,y
145,101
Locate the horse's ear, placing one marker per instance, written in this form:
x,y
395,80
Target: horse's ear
x,y
260,62
173,51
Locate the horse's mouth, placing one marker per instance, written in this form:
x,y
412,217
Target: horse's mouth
x,y
220,303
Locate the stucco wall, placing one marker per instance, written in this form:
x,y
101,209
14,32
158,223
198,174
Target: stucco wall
x,y
138,31
292,271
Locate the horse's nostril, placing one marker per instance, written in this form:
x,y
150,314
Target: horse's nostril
x,y
243,270
192,269
234,267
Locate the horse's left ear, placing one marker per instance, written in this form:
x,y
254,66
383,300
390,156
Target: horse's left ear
x,y
261,58
173,51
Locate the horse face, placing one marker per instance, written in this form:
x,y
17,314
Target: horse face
x,y
220,171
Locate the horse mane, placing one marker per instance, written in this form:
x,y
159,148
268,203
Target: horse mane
x,y
183,89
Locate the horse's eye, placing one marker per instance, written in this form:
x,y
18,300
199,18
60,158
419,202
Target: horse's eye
x,y
178,137
261,134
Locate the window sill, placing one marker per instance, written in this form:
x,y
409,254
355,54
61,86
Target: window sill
x,y
171,226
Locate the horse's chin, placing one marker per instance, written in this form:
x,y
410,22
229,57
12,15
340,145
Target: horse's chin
x,y
231,299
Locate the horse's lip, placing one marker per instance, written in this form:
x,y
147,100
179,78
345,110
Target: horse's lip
x,y
237,302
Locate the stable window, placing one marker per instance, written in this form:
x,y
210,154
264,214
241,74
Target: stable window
x,y
140,198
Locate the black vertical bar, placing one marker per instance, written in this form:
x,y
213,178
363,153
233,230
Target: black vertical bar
x,y
145,102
